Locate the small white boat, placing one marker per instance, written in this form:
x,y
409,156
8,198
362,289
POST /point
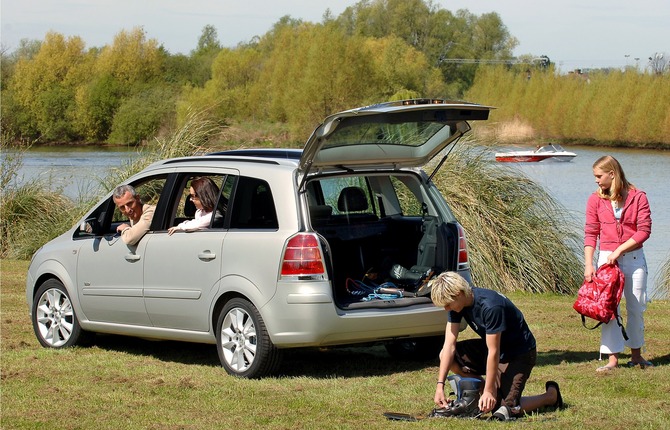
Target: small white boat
x,y
552,151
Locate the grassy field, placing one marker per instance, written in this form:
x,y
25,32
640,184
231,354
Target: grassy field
x,y
127,383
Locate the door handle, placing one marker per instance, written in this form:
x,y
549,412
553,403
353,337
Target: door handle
x,y
132,257
207,255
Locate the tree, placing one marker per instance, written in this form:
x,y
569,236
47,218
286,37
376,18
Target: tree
x,y
209,40
438,33
97,103
43,87
203,56
131,59
659,63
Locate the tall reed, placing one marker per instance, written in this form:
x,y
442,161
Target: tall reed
x,y
517,238
615,108
662,280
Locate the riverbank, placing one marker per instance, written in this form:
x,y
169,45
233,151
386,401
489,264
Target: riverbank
x,y
519,132
130,383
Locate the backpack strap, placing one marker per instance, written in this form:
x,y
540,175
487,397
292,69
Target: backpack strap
x,y
618,321
590,328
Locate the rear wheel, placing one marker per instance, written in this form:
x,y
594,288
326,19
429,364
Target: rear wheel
x,y
243,343
53,317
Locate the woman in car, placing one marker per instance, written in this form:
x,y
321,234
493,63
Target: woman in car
x,y
203,193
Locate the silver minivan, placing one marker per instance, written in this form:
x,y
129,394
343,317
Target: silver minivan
x,y
330,245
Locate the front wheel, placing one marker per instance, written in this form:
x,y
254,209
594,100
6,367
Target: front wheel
x,y
53,317
243,343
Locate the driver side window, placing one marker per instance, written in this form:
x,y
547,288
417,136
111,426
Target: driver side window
x,y
106,217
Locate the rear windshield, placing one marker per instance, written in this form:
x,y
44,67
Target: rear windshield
x,y
404,134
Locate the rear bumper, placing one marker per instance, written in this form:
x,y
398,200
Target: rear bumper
x,y
304,314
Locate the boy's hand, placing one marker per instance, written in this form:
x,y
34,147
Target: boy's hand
x,y
487,401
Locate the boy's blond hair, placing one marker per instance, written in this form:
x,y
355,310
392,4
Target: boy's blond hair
x,y
446,286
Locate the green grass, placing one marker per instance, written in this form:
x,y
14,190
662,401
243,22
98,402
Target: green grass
x,y
128,383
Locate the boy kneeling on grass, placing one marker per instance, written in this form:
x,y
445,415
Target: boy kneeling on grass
x,y
505,353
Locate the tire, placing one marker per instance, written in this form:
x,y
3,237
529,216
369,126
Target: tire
x,y
242,341
417,349
54,321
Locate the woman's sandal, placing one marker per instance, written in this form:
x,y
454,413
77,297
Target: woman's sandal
x,y
559,399
605,369
643,364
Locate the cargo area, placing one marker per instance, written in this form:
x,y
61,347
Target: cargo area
x,y
367,253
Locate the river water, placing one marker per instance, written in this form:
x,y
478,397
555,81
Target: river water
x,y
77,171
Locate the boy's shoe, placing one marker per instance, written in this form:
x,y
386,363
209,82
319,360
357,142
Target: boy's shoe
x,y
503,413
559,399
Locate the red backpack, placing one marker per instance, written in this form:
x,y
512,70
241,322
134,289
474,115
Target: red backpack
x,y
599,299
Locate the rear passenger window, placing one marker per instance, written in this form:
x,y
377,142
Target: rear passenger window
x,y
253,205
349,195
409,204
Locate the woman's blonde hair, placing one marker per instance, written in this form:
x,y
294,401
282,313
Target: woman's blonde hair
x,y
609,164
446,286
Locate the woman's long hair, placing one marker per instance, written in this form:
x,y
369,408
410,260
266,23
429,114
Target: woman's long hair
x,y
207,192
609,164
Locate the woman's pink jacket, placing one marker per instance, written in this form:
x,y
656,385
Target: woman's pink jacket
x,y
600,221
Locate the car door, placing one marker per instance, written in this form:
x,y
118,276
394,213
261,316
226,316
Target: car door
x,y
182,270
109,272
407,133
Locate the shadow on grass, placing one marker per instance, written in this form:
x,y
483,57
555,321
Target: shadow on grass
x,y
555,357
342,362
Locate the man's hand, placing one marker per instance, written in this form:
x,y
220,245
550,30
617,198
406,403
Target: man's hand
x,y
122,227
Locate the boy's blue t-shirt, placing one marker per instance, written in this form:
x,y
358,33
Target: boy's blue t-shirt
x,y
493,313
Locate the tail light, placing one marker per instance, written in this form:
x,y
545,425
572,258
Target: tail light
x,y
463,263
303,257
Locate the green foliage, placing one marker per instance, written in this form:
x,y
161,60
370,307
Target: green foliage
x,y
611,108
97,103
190,139
131,59
296,73
439,34
43,89
140,116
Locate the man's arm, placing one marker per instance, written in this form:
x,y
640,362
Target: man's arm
x,y
132,235
446,360
488,399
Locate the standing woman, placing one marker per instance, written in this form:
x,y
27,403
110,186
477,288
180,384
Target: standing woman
x,y
618,216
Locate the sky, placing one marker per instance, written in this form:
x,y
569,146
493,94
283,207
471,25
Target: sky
x,y
573,34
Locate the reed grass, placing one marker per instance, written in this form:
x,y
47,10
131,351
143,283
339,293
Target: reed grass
x,y
612,109
517,238
662,280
